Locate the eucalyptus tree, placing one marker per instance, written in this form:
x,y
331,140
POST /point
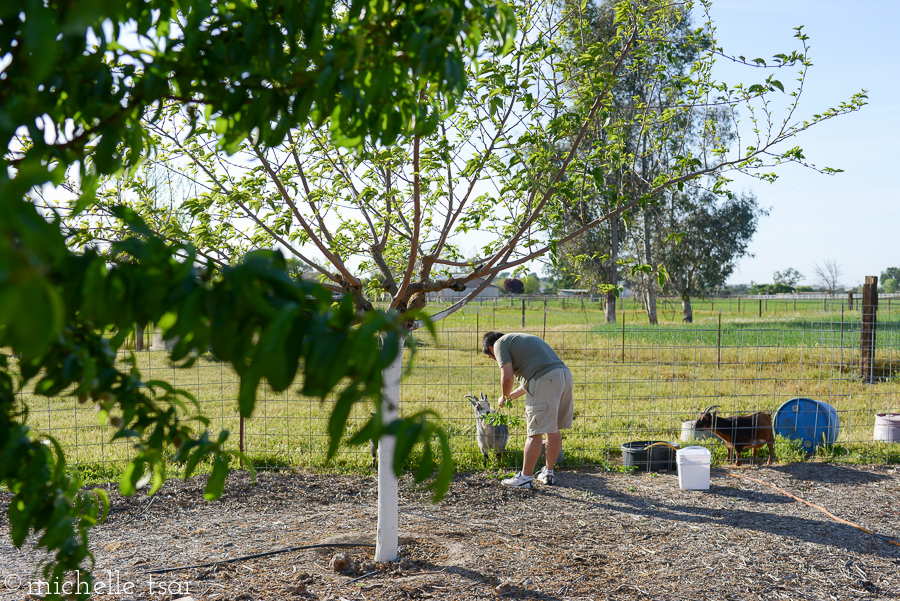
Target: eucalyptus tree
x,y
712,235
645,127
490,170
666,124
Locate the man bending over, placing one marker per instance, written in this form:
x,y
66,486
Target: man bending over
x,y
546,383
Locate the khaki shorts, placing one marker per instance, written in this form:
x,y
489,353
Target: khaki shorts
x,y
548,402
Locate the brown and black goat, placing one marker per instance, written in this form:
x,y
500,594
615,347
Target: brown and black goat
x,y
740,432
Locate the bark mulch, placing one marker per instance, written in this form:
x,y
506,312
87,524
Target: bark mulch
x,y
594,536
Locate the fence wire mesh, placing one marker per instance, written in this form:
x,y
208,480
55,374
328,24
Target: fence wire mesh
x,y
633,382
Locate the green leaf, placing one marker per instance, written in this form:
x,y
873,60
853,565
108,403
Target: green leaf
x,y
131,475
215,486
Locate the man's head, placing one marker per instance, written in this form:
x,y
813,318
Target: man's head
x,y
487,343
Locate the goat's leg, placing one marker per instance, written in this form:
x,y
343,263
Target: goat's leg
x,y
771,453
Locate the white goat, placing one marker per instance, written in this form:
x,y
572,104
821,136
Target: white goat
x,y
490,438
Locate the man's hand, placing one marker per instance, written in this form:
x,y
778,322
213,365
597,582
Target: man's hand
x,y
501,402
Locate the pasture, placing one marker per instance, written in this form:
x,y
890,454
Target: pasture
x,y
632,382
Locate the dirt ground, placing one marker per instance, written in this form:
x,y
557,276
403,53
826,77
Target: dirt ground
x,y
594,536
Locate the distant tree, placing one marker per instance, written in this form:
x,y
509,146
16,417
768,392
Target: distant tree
x,y
789,277
513,285
532,284
827,275
891,273
736,289
769,288
713,236
889,285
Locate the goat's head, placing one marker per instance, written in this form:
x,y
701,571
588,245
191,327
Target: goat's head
x,y
707,418
482,406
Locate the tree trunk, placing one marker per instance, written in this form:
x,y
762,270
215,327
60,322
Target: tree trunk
x,y
611,306
387,534
650,293
687,309
613,270
139,338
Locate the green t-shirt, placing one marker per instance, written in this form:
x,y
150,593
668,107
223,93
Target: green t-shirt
x,y
530,356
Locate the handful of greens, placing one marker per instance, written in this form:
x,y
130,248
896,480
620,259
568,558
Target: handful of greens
x,y
501,419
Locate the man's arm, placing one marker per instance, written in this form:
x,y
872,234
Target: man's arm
x,y
507,382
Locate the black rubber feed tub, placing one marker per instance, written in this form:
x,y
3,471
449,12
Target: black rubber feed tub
x,y
654,459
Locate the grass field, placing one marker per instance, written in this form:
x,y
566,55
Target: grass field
x,y
632,383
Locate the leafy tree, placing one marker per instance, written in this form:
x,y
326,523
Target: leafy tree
x,y
76,103
777,288
532,285
889,285
892,273
712,237
514,285
790,277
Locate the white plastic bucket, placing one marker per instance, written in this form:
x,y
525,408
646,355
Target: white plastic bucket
x,y
887,427
693,468
688,432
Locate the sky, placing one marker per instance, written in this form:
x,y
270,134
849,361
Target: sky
x,y
851,217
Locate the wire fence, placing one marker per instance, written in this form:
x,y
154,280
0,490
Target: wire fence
x,y
633,382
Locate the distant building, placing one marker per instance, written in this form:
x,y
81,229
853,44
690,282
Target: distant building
x,y
490,292
573,292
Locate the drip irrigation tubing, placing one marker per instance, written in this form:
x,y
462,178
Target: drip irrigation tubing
x,y
813,505
266,554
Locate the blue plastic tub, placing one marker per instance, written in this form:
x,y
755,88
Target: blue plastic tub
x,y
812,422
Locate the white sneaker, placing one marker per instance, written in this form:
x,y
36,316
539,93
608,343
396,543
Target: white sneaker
x,y
546,477
519,481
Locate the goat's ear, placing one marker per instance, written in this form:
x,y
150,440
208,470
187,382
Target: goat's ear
x,y
484,397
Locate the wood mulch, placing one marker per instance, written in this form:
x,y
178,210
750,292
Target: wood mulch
x,y
594,536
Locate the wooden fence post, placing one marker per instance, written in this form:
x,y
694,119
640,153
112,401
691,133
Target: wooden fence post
x,y
849,301
523,313
760,307
869,326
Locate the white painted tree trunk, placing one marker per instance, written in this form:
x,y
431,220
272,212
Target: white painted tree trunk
x,y
387,535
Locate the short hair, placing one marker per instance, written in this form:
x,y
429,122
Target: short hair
x,y
488,341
